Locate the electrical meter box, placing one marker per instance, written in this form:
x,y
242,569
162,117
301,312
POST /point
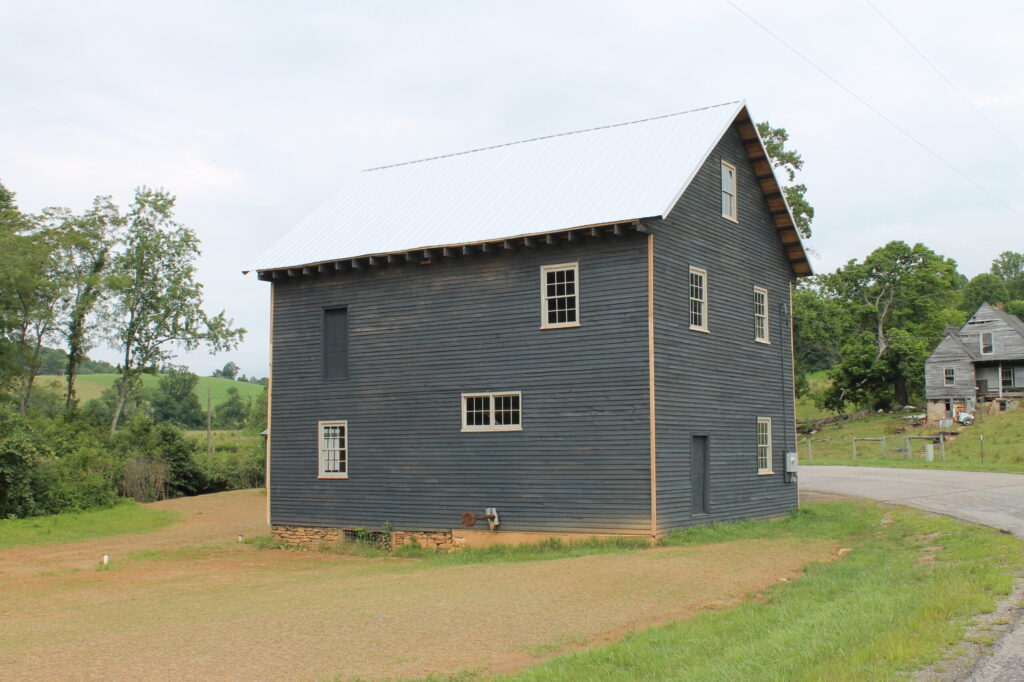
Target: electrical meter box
x,y
791,463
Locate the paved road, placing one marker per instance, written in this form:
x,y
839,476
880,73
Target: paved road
x,y
990,499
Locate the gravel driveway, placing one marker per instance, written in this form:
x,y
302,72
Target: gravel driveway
x,y
990,499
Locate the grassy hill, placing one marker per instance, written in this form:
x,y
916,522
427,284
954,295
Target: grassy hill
x,y
994,443
89,386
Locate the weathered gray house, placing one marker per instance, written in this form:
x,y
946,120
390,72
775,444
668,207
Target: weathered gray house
x,y
587,332
977,364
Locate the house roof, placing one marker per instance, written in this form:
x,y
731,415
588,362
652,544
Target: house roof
x,y
602,176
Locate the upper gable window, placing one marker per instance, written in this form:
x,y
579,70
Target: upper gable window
x,y
729,191
761,315
698,299
987,345
949,376
559,295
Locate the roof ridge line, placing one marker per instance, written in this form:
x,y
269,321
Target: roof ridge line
x,y
548,137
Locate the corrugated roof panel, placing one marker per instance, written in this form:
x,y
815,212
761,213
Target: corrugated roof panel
x,y
602,175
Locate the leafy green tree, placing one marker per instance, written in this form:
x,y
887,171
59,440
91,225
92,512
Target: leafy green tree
x,y
981,289
1015,308
156,302
789,162
232,413
175,399
1009,267
83,247
895,305
229,371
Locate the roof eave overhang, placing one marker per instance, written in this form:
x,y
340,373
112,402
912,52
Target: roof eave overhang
x,y
426,255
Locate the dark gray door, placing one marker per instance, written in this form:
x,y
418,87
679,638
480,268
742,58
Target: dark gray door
x,y
699,474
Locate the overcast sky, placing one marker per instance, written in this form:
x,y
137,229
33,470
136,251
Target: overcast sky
x,y
253,112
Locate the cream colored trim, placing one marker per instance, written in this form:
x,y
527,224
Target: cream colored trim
x,y
767,338
544,270
270,393
764,470
733,213
320,451
651,388
492,427
703,326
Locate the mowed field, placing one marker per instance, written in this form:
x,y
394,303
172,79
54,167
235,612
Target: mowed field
x,y
90,386
190,602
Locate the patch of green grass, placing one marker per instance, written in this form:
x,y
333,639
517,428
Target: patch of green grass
x,y
90,386
805,407
874,615
1001,434
126,517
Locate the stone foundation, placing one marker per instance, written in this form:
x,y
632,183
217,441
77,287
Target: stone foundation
x,y
431,539
305,535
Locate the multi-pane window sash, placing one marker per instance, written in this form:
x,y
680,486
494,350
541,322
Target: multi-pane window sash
x,y
1006,376
698,299
492,411
333,448
560,303
761,314
987,346
949,376
764,445
728,191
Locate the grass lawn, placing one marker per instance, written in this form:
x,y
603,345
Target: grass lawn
x,y
1001,434
90,386
900,596
805,407
126,517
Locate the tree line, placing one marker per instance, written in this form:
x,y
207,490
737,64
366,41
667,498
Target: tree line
x,y
128,279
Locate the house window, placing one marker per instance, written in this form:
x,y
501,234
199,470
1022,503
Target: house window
x,y
335,343
764,445
333,449
492,411
698,299
1006,376
987,347
761,315
948,376
559,294
729,191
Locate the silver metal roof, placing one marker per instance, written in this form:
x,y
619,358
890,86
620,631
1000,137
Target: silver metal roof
x,y
589,177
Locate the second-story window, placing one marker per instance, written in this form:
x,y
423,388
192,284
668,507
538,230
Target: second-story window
x,y
761,315
698,299
987,345
729,191
560,295
949,376
492,411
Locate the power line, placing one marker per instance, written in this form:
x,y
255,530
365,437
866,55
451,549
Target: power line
x,y
877,112
943,77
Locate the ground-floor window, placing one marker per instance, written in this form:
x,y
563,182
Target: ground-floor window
x,y
764,445
333,455
492,411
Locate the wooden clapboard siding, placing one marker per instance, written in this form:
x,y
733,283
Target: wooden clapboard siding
x,y
949,353
717,384
419,335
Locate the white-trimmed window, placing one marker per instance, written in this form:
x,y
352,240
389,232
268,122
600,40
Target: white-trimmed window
x,y
729,191
948,376
761,315
987,344
492,411
698,299
333,437
560,295
764,445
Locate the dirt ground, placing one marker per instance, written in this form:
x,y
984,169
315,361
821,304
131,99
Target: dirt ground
x,y
219,610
